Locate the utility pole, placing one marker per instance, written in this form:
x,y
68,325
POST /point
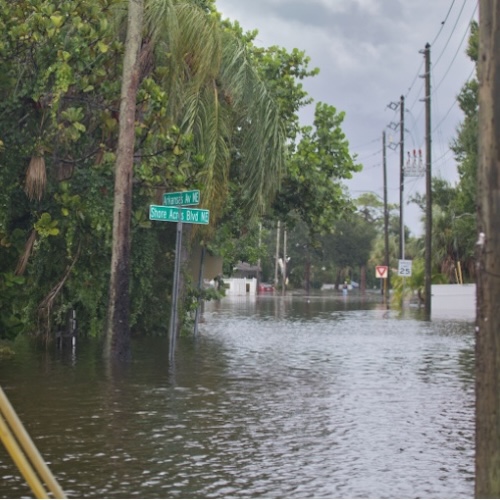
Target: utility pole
x,y
386,219
428,183
259,261
401,177
283,290
277,257
487,353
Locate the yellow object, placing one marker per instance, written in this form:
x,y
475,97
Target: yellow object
x,y
23,447
460,273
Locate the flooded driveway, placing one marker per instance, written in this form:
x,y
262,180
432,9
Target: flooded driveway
x,y
295,397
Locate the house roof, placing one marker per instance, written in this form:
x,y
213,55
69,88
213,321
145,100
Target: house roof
x,y
246,267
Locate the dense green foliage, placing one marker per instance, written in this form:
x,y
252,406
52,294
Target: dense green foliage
x,y
454,207
58,119
201,124
205,120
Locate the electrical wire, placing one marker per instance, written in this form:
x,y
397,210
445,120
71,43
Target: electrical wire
x,y
454,103
437,160
443,23
436,62
456,53
413,184
362,158
366,144
415,78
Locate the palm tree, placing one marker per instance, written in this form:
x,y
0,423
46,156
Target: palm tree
x,y
213,89
118,335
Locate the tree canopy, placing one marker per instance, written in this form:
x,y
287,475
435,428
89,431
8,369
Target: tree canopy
x,y
214,112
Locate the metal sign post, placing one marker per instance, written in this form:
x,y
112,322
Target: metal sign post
x,y
176,212
175,291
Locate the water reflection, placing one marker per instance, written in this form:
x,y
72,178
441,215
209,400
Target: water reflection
x,y
277,397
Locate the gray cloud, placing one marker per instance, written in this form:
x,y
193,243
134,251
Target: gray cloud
x,y
368,55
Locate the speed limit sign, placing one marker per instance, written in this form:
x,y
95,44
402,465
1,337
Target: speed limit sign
x,y
404,268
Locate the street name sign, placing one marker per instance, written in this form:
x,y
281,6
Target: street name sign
x,y
171,214
404,268
381,271
182,198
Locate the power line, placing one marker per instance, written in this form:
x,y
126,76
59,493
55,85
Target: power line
x,y
369,156
454,103
413,185
443,23
451,34
377,165
411,191
366,144
415,78
457,51
448,151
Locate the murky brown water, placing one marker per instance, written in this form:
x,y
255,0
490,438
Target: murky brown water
x,y
276,398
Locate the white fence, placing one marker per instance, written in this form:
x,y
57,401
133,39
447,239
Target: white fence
x,y
454,301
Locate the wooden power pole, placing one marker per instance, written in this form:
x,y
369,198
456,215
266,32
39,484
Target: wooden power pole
x,y
401,177
277,256
487,484
428,183
386,220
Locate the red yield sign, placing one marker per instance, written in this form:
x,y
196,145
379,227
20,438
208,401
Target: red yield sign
x,y
381,271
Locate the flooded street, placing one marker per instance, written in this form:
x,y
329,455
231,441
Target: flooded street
x,y
277,397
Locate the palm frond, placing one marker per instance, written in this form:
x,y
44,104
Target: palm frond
x,y
263,144
36,178
187,41
203,62
205,118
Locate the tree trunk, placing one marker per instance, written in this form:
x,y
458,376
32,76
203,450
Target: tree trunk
x,y
308,273
337,279
118,328
488,249
362,279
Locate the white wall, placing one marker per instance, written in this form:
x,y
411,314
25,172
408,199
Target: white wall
x,y
454,301
240,286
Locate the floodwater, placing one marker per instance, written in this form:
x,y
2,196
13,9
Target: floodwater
x,y
295,397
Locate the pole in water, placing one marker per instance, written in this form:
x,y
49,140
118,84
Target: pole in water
x,y
200,289
175,290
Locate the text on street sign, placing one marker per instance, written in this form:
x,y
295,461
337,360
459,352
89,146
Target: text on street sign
x,y
171,214
181,198
404,268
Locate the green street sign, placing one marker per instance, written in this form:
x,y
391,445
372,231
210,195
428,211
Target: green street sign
x,y
182,198
171,214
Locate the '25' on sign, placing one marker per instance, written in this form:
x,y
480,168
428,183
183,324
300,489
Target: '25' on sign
x,y
404,268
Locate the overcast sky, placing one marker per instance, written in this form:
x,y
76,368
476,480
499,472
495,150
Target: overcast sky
x,y
368,55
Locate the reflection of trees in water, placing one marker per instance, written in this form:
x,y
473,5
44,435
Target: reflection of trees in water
x,y
256,387
440,362
466,361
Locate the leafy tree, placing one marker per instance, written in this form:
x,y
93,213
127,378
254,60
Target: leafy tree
x,y
282,72
454,234
213,89
312,189
60,85
465,148
51,117
351,246
317,158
